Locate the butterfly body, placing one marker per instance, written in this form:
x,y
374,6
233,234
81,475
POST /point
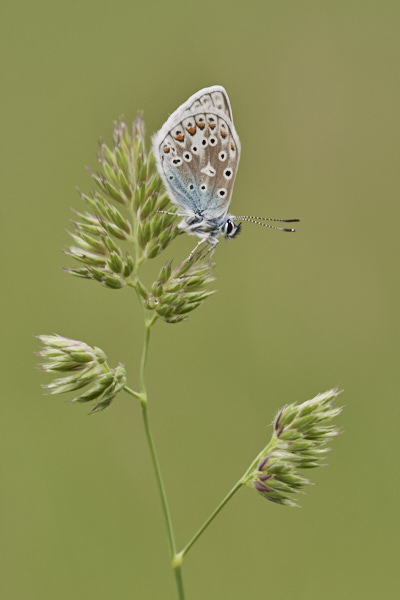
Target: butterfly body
x,y
197,152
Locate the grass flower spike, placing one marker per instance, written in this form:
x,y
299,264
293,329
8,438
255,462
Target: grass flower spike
x,y
299,441
128,177
112,244
82,366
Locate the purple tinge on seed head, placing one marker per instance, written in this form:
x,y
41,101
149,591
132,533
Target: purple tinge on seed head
x,y
261,487
262,463
278,418
264,477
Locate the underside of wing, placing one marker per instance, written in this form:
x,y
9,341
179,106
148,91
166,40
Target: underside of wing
x,y
197,152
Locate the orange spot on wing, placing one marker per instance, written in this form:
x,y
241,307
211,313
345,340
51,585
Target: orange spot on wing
x,y
191,130
180,137
212,125
201,124
224,133
232,146
166,150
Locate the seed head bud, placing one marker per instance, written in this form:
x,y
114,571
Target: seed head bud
x,y
153,249
115,262
143,234
128,266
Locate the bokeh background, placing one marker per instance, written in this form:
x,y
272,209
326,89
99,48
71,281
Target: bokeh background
x,y
315,93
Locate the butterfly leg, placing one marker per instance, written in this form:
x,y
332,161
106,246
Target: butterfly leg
x,y
194,249
212,244
211,250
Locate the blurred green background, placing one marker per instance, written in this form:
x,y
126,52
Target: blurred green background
x,y
315,93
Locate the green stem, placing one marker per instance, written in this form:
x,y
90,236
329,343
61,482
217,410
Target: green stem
x,y
143,399
179,581
233,491
133,393
160,484
143,361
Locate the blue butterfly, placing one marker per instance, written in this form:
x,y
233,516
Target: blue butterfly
x,y
197,152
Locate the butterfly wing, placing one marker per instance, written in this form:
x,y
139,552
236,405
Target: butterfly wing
x,y
197,152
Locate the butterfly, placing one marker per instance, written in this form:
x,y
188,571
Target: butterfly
x,y
197,153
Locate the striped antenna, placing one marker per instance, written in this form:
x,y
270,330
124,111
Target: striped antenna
x,y
257,220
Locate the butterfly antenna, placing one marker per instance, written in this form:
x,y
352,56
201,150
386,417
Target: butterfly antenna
x,y
257,220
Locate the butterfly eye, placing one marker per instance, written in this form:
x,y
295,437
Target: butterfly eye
x,y
187,156
228,173
222,156
230,229
222,193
